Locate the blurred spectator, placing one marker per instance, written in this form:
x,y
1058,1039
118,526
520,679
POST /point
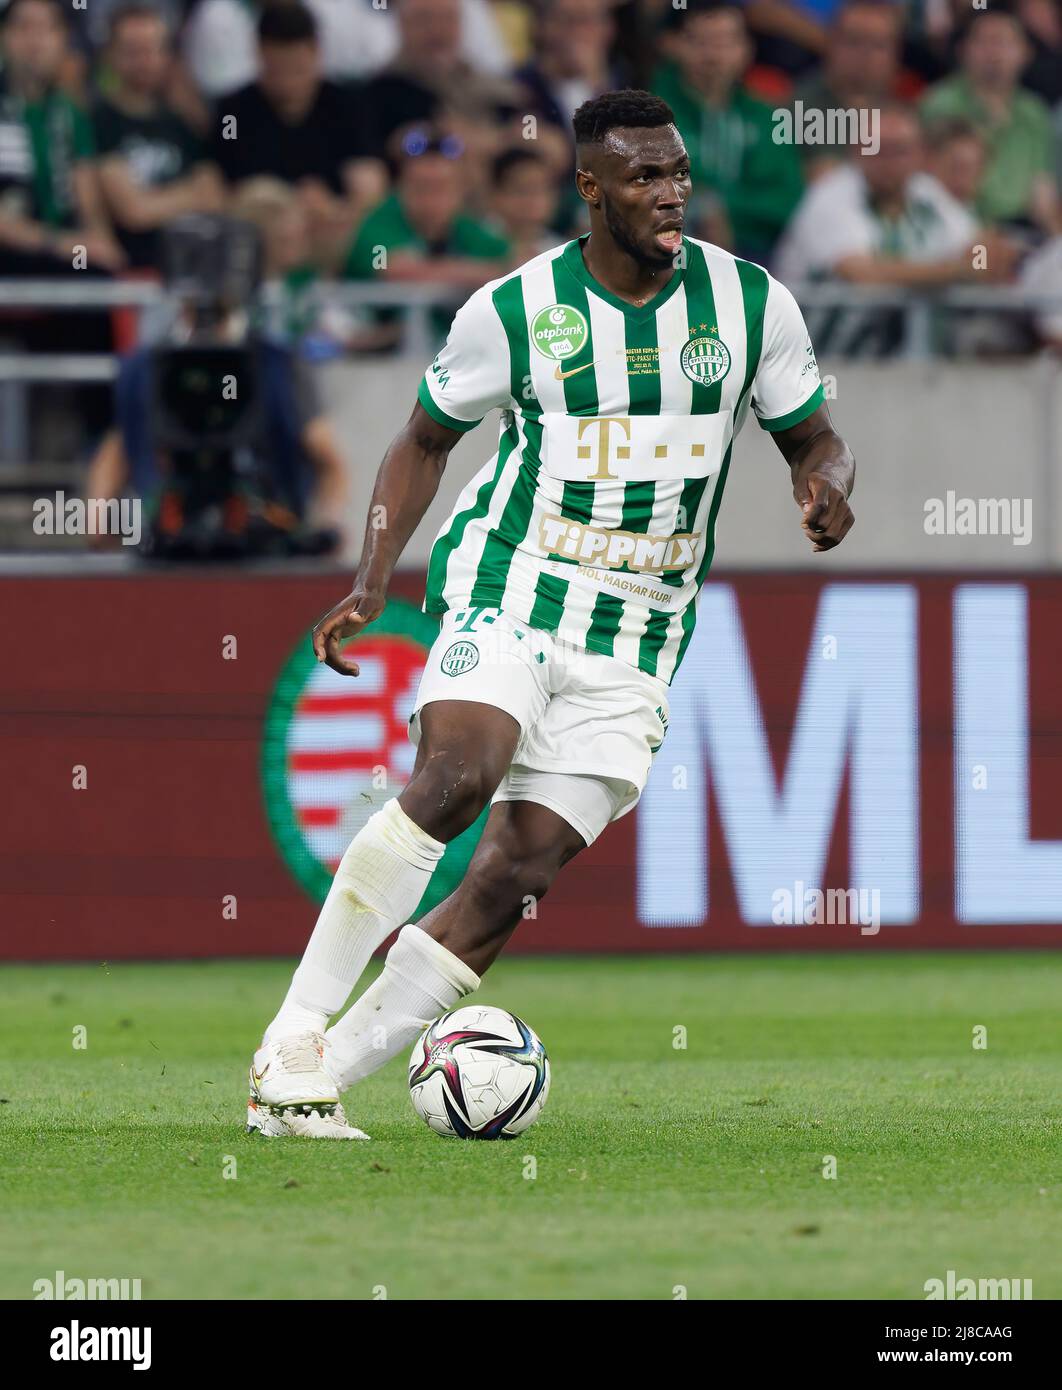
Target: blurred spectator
x,y
1019,182
572,39
421,234
297,127
1042,20
289,297
358,38
570,63
728,132
50,198
860,69
523,202
431,80
152,166
53,222
935,29
99,18
881,220
221,41
790,34
957,157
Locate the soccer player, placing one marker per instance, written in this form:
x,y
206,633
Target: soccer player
x,y
566,581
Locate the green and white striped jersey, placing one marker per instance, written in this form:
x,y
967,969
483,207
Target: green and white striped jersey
x,y
595,519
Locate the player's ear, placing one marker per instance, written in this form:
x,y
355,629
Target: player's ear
x,y
587,187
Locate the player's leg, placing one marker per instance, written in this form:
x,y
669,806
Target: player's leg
x,y
485,681
433,965
583,764
465,750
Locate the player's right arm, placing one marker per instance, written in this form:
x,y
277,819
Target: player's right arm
x,y
469,377
407,482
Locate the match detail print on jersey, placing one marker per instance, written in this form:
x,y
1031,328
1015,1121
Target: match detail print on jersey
x,y
595,519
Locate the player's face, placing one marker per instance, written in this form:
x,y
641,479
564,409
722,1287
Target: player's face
x,y
642,179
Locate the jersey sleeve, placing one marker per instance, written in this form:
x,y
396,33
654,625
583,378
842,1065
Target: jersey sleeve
x,y
786,388
470,375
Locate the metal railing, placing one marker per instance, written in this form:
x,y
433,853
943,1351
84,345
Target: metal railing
x,y
919,314
418,302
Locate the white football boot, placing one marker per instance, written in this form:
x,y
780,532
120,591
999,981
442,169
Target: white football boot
x,y
292,1094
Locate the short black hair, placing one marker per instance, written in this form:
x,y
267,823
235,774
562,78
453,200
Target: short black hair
x,y
511,158
628,107
287,24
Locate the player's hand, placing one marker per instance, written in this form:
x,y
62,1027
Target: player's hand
x,y
349,617
827,517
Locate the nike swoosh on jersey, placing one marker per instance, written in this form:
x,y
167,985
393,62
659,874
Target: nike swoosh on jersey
x,y
563,376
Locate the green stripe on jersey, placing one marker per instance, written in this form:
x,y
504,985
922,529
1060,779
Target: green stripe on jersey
x,y
444,547
643,386
580,395
550,593
753,280
493,569
700,308
580,389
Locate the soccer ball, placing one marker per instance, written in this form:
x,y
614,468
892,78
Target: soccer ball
x,y
478,1073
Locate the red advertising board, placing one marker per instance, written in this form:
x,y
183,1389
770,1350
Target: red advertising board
x,y
178,781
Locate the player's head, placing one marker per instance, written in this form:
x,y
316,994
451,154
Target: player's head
x,y
633,173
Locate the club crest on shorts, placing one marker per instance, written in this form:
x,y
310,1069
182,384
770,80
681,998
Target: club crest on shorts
x,y
705,360
459,657
559,331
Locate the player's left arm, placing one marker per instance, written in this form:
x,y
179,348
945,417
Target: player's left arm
x,y
822,467
789,401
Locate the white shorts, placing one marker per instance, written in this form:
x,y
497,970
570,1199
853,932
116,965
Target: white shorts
x,y
589,724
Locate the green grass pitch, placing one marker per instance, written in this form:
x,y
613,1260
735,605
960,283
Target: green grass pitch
x,y
656,1169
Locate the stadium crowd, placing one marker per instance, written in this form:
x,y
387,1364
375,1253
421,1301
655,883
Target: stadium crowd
x,y
439,131
900,143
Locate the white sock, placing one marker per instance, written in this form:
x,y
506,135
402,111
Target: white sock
x,y
421,979
380,880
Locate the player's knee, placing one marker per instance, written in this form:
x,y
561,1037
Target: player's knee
x,y
447,793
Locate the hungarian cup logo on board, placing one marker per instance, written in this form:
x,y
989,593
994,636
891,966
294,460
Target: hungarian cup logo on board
x,y
336,748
